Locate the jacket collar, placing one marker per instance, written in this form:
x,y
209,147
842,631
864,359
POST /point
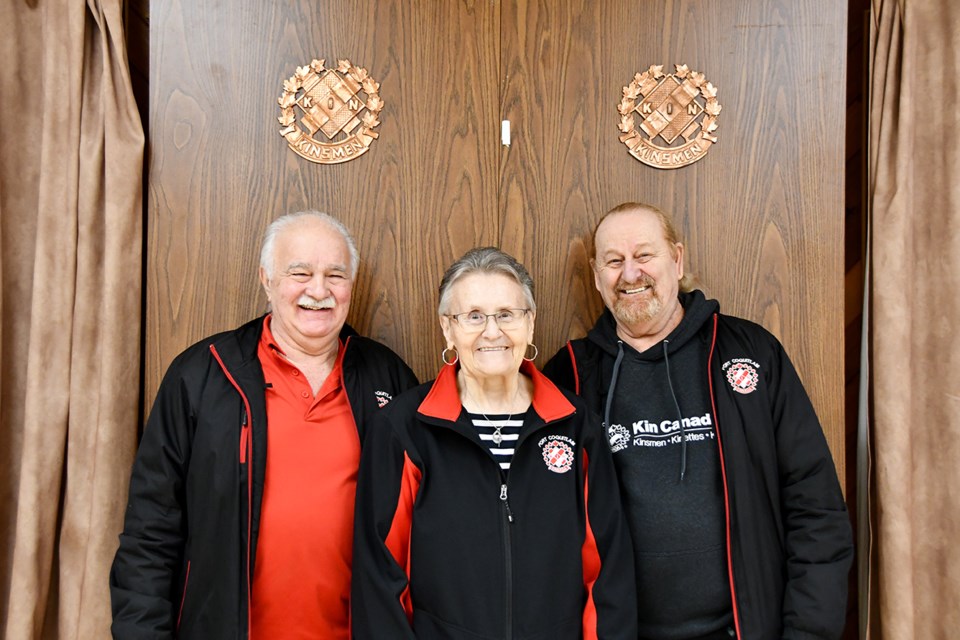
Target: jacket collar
x,y
443,399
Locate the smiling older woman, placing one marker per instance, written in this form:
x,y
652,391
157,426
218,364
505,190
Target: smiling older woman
x,y
473,518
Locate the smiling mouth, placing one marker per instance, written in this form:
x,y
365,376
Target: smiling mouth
x,y
634,291
492,349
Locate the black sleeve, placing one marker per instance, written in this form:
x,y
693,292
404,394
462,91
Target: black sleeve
x,y
611,610
818,537
145,576
386,491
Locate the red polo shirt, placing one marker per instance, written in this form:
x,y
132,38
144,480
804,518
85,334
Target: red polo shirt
x,y
301,582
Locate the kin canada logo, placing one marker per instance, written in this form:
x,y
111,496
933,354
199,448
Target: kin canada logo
x,y
668,120
328,116
619,437
557,453
742,374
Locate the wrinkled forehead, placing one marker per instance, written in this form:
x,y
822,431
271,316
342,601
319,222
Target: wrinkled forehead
x,y
481,289
311,242
629,230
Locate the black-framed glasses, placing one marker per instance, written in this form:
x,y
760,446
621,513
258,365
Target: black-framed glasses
x,y
476,321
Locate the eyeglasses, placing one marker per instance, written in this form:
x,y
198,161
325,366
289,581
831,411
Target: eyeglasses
x,y
476,321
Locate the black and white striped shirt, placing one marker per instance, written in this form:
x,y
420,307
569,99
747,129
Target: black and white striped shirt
x,y
509,429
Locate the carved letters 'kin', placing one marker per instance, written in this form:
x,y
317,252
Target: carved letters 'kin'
x,y
328,115
668,120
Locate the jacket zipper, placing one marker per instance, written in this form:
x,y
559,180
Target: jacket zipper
x,y
244,436
246,453
507,557
507,521
723,473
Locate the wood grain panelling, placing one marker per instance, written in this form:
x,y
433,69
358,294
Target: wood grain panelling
x,y
762,214
220,171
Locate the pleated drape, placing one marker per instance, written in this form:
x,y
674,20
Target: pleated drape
x,y
914,584
70,198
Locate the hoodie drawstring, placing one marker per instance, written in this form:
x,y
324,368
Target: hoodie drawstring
x,y
683,429
613,385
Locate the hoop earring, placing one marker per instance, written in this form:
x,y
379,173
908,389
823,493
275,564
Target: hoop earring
x,y
443,355
536,352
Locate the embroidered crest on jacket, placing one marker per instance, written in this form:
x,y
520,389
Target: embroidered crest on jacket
x,y
557,453
742,374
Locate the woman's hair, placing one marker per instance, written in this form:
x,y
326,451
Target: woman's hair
x,y
485,260
281,223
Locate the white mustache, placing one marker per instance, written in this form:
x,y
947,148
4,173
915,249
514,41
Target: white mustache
x,y
310,302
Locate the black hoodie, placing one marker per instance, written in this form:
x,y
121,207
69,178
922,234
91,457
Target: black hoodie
x,y
660,426
787,535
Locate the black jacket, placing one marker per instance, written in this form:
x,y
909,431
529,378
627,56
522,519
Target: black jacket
x,y
789,541
188,547
448,547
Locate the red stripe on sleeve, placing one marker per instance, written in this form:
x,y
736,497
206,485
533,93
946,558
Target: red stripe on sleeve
x,y
590,556
398,539
573,364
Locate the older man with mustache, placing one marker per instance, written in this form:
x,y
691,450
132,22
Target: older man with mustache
x,y
738,524
240,517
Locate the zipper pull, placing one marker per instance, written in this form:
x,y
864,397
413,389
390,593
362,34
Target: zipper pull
x,y
244,434
503,497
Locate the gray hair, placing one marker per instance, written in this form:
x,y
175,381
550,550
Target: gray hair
x,y
485,260
281,223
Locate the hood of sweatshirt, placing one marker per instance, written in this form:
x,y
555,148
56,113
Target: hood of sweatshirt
x,y
697,311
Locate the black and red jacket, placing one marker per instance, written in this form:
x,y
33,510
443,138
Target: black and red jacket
x,y
188,547
448,546
789,541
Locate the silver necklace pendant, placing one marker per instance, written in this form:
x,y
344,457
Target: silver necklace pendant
x,y
497,438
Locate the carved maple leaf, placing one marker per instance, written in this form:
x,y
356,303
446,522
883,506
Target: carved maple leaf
x,y
374,103
626,106
656,70
359,74
682,70
710,128
370,86
317,65
290,85
709,91
631,92
287,100
697,78
626,123
713,108
343,66
369,120
302,72
287,118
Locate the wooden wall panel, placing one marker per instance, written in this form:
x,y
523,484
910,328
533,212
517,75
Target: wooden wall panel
x,y
220,171
762,214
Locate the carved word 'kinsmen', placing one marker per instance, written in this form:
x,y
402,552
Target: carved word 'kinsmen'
x,y
342,104
677,116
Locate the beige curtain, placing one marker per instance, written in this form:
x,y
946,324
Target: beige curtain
x,y
915,343
71,149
